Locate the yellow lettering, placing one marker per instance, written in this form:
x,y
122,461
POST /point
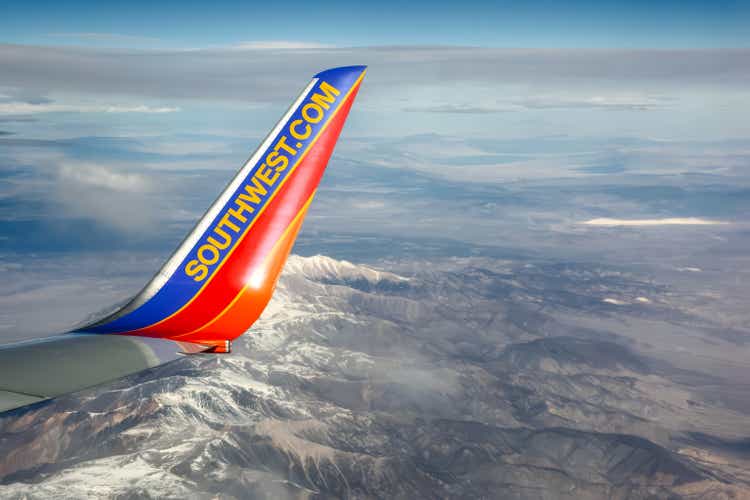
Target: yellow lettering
x,y
242,207
299,136
283,145
226,222
196,270
263,175
223,234
306,112
212,250
253,192
279,162
237,214
330,92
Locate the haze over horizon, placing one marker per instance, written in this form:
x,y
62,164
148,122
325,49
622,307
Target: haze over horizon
x,y
525,270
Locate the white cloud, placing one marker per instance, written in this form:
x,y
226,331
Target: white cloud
x,y
690,269
102,177
369,205
629,102
614,302
26,108
120,200
279,45
604,77
670,221
457,109
483,103
105,37
138,109
620,302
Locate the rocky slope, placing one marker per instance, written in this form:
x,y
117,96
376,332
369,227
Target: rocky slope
x,y
458,379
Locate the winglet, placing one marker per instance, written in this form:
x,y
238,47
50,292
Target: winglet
x,y
220,279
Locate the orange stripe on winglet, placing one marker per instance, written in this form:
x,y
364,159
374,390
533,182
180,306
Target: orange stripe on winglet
x,y
247,306
226,307
164,327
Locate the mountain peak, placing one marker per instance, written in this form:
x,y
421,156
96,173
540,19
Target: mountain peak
x,y
324,268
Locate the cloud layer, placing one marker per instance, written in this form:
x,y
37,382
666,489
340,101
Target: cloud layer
x,y
670,221
26,108
275,72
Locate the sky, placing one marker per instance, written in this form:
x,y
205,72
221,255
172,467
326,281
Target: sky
x,y
480,128
535,24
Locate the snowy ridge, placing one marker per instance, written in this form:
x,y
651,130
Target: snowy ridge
x,y
360,383
321,267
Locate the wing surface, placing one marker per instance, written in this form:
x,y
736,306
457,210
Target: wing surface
x,y
37,370
220,278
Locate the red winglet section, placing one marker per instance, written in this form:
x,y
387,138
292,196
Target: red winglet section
x,y
239,292
235,278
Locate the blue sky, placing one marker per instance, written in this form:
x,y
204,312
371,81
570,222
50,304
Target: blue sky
x,y
190,24
109,156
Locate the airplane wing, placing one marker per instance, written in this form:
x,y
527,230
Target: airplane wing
x,y
220,278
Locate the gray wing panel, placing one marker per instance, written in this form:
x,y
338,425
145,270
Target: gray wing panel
x,y
42,369
12,400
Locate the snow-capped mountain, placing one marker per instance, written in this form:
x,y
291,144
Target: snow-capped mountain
x,y
461,381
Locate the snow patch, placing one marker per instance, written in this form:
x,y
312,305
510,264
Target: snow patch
x,y
616,302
